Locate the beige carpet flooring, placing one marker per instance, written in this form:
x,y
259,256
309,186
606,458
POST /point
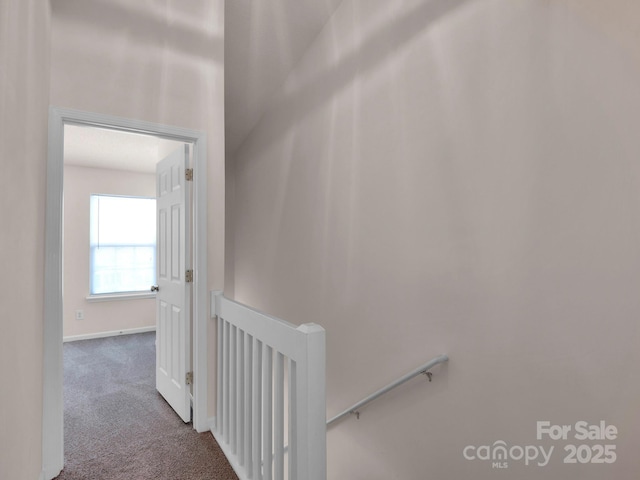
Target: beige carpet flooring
x,y
118,427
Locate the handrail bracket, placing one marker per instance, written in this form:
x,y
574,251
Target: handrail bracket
x,y
428,374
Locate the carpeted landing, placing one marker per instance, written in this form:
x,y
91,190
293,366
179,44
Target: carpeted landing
x,y
118,427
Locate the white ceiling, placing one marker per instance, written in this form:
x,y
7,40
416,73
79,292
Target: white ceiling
x,y
264,39
104,148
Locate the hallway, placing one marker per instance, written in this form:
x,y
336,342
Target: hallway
x,y
117,426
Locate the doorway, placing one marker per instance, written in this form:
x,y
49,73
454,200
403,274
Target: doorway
x,y
53,442
110,251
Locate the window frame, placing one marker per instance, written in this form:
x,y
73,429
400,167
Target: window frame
x,y
120,294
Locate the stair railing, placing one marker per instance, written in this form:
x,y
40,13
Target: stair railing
x,y
264,365
421,370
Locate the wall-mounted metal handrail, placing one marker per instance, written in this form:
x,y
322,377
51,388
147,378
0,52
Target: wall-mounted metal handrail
x,y
423,369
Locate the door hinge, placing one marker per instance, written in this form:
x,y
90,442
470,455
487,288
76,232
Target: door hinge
x,y
189,378
188,276
188,174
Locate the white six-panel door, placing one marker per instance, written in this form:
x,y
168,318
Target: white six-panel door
x,y
173,335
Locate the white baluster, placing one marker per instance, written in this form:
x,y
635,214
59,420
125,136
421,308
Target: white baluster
x,y
278,419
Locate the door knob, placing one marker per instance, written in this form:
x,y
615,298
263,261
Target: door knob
x,y
155,288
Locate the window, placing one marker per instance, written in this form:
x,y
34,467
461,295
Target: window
x,y
122,243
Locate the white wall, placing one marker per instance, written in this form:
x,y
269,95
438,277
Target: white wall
x,y
79,184
229,245
24,77
456,177
159,61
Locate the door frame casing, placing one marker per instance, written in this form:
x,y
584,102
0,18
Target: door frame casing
x,y
52,408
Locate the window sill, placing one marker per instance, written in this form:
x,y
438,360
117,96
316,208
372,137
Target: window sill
x,y
110,297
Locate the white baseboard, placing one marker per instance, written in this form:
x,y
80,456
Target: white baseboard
x,y
240,470
113,333
49,474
